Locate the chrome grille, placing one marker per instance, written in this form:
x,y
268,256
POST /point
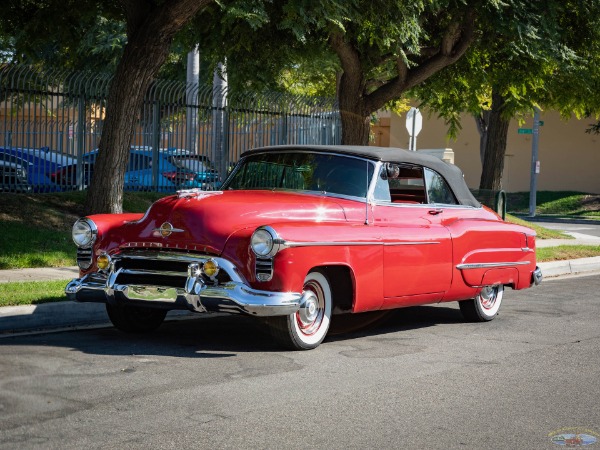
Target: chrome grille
x,y
84,257
150,268
264,269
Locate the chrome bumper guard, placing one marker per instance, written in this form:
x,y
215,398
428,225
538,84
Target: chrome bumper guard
x,y
234,297
536,276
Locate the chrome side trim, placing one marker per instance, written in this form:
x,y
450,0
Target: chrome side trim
x,y
412,243
490,265
290,244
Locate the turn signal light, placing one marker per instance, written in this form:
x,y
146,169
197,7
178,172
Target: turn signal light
x,y
210,268
103,261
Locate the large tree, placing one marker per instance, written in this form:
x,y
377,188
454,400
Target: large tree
x,y
150,28
383,48
547,60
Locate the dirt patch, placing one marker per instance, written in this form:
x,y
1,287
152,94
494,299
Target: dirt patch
x,y
41,210
591,202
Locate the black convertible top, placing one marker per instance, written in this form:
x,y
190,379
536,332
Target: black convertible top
x,y
452,174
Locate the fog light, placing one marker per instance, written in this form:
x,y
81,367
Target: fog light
x,y
210,268
103,261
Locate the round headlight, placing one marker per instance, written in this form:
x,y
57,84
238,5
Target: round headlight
x,y
265,242
84,232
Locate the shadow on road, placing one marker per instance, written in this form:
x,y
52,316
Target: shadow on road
x,y
225,336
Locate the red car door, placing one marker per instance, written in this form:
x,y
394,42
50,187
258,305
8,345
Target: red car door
x,y
417,256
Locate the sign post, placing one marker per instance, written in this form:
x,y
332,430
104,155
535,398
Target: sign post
x,y
414,123
535,164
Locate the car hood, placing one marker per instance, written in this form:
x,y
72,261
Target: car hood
x,y
203,221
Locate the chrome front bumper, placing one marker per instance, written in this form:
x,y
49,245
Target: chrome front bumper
x,y
234,297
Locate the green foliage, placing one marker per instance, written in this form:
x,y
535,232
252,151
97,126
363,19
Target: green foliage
x,y
546,55
62,33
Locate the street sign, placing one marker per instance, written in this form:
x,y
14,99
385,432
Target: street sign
x,y
414,123
525,131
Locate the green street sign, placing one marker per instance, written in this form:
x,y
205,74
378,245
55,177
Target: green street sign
x,y
525,131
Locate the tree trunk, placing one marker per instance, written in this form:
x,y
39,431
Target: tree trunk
x,y
150,31
356,123
495,146
482,120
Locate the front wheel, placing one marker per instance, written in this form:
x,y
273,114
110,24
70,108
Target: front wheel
x,y
135,319
306,328
485,306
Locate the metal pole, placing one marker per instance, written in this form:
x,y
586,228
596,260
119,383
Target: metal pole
x,y
191,116
413,138
534,161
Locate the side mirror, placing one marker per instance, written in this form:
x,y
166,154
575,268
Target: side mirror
x,y
392,170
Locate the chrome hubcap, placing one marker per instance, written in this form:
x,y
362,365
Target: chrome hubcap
x,y
310,315
488,296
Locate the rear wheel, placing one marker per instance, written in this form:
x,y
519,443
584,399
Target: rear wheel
x,y
306,329
485,306
135,319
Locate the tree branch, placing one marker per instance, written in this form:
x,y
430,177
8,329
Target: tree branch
x,y
455,42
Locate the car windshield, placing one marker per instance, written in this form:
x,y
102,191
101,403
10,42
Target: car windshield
x,y
303,171
192,163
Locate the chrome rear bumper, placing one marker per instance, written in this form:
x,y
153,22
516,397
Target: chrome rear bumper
x,y
232,297
536,276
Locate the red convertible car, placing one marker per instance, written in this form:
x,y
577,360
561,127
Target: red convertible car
x,y
298,234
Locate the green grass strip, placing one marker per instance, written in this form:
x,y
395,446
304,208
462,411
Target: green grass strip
x,y
564,252
25,246
32,292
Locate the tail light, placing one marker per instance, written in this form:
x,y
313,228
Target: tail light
x,y
179,176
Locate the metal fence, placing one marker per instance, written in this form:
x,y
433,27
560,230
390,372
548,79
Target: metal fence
x,y
187,135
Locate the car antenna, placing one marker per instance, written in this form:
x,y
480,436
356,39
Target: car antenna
x,y
367,198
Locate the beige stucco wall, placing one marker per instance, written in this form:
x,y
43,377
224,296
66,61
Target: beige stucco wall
x,y
569,157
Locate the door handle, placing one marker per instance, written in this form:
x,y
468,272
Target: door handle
x,y
436,211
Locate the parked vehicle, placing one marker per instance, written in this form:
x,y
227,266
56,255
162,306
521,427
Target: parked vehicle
x,y
301,233
171,174
194,171
42,162
13,176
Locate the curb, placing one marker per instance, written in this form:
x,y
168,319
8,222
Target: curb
x,y
568,267
59,316
576,221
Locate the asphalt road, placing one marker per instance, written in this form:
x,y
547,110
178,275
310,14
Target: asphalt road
x,y
422,379
576,229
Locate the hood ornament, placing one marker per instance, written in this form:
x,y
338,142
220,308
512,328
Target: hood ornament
x,y
166,229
